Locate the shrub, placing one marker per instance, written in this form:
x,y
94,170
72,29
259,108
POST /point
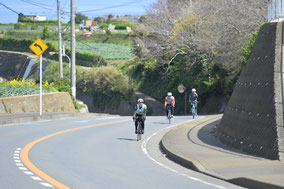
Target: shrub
x,y
46,33
107,84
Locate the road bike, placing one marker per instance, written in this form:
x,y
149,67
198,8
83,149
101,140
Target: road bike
x,y
169,109
193,110
139,128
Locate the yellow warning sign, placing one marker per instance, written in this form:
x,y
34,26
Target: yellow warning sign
x,y
38,46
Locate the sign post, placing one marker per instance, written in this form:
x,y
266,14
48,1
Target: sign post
x,y
38,47
182,89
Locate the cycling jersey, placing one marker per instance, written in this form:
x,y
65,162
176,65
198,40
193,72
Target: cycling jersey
x,y
141,110
193,97
170,100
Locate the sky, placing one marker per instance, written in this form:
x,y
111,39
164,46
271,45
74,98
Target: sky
x,y
90,8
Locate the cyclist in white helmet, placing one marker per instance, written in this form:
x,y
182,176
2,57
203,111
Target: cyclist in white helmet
x,y
140,114
193,96
170,103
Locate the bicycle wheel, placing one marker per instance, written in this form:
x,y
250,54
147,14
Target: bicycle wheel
x,y
169,116
139,130
193,111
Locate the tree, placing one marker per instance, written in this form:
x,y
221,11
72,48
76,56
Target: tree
x,y
99,19
109,18
217,27
79,17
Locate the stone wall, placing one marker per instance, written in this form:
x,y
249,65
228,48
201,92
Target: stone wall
x,y
252,120
52,102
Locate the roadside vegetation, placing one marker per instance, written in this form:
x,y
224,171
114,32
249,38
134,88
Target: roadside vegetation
x,y
107,84
175,42
18,87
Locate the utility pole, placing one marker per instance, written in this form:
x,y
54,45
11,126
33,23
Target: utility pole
x,y
59,41
73,64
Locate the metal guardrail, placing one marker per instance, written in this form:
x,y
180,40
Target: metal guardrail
x,y
276,10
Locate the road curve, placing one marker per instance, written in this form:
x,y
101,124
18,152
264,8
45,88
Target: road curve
x,y
89,152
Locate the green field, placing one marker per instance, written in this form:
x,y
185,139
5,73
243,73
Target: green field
x,y
115,46
109,51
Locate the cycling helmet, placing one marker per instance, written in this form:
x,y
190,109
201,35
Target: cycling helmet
x,y
140,100
193,90
170,94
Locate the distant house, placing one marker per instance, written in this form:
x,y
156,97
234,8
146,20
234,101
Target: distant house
x,y
35,16
89,24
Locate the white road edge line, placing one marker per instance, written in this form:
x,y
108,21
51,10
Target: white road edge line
x,y
36,178
144,149
23,168
46,184
28,173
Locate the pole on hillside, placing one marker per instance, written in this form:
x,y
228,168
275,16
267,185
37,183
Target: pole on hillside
x,y
59,41
73,64
40,86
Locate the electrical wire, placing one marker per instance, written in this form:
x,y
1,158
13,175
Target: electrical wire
x,y
48,7
9,8
111,7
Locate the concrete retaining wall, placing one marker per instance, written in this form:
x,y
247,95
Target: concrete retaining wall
x,y
52,102
13,64
251,119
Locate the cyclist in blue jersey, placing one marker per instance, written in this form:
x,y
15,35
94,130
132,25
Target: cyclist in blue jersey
x,y
193,96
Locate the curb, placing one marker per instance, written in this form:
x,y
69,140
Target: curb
x,y
195,165
31,118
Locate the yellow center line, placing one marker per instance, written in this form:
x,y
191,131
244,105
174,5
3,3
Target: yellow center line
x,y
25,154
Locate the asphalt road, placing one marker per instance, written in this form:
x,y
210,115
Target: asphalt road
x,y
90,153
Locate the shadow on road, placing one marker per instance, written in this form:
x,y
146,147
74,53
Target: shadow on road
x,y
127,139
164,123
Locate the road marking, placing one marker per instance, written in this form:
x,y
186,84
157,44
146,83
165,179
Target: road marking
x,y
16,157
23,168
36,178
28,173
145,151
84,121
46,184
17,151
25,154
19,164
17,161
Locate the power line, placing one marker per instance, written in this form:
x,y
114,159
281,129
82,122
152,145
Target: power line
x,y
38,5
30,1
111,7
9,8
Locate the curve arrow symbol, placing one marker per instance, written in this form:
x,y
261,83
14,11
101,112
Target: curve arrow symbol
x,y
36,45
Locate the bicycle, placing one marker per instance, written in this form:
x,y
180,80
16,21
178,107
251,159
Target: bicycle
x,y
169,113
193,110
139,128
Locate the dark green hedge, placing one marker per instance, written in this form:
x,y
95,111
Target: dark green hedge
x,y
120,25
22,45
27,20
